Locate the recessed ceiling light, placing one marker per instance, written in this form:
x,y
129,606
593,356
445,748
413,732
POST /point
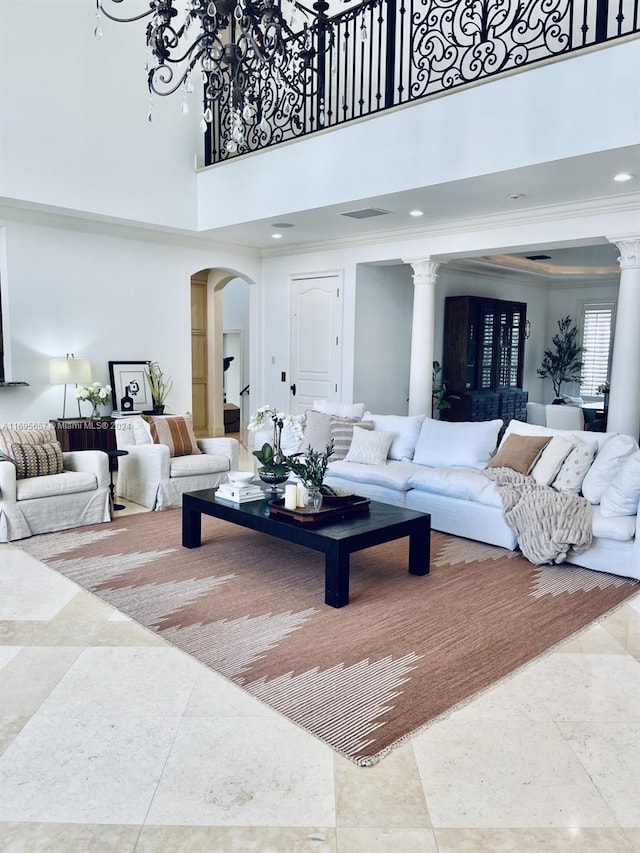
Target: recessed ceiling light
x,y
276,236
516,196
621,177
416,213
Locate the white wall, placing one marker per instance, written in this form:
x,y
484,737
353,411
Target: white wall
x,y
102,297
73,122
382,345
505,124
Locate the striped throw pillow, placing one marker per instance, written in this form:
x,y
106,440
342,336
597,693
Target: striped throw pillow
x,y
9,436
342,434
176,432
37,460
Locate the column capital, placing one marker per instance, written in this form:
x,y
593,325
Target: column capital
x,y
629,245
424,270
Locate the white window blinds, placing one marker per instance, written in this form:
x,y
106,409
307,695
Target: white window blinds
x,y
597,336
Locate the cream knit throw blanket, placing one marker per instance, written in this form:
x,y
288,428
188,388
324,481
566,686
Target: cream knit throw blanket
x,y
549,525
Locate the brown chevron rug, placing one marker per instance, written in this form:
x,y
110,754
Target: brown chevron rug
x,y
405,651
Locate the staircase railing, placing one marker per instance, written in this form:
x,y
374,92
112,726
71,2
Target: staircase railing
x,y
387,53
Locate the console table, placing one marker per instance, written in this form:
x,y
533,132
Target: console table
x,y
87,434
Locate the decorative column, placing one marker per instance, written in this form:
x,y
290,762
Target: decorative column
x,y
422,328
624,399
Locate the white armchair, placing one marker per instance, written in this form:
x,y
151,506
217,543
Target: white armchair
x,y
149,476
77,496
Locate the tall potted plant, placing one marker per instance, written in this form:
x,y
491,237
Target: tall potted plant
x,y
562,362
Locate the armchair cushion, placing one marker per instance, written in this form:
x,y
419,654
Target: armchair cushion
x,y
174,432
49,485
204,463
37,460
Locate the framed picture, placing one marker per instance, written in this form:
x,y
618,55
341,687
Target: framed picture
x,y
127,380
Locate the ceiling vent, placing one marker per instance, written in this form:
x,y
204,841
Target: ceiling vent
x,y
538,257
366,213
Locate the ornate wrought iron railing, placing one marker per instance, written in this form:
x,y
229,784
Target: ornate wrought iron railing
x,y
386,53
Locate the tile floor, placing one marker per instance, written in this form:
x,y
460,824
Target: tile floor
x,y
112,740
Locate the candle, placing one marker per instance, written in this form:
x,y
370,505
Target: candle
x,y
301,497
290,496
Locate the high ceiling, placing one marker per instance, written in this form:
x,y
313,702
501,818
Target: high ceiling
x,y
518,193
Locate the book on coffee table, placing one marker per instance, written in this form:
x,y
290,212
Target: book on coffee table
x,y
239,492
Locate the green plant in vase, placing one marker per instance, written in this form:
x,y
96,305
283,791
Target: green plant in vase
x,y
311,466
159,387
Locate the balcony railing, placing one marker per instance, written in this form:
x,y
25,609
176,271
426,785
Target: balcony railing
x,y
387,53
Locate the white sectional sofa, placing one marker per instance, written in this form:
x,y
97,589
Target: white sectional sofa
x,y
437,467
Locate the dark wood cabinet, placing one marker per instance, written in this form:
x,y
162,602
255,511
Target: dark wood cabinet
x,y
86,434
483,358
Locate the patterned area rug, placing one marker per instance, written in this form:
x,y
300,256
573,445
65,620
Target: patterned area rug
x,y
362,678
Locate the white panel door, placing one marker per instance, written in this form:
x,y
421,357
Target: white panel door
x,y
316,340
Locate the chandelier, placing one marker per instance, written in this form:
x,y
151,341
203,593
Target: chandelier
x,y
242,50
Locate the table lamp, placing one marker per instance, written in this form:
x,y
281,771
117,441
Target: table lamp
x,y
69,371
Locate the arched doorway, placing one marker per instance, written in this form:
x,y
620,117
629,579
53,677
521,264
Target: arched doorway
x,y
208,342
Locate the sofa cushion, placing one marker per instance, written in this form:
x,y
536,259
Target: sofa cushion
x,y
466,444
606,466
393,475
468,484
369,447
174,432
342,434
522,428
550,461
520,452
8,436
140,429
37,460
317,431
204,463
406,429
340,410
622,495
574,468
55,484
622,528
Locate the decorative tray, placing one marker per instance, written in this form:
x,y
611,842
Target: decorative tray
x,y
332,509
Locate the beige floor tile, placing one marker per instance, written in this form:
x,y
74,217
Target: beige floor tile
x,y
29,589
586,686
624,627
596,641
369,840
84,769
67,838
634,837
508,773
77,633
235,839
31,675
250,771
610,753
10,727
389,794
215,696
533,841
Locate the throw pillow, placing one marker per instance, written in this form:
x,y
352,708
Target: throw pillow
x,y
406,429
574,468
548,465
444,444
37,460
8,437
338,409
606,465
519,452
622,495
342,434
176,432
369,447
317,431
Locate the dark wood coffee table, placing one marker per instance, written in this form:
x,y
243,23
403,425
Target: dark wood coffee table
x,y
337,539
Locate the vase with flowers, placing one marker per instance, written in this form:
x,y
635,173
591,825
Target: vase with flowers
x,y
159,386
311,466
96,394
274,468
604,390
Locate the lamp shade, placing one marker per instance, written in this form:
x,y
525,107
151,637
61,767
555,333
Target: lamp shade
x,y
69,371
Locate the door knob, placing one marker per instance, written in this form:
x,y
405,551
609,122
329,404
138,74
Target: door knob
x,y
292,388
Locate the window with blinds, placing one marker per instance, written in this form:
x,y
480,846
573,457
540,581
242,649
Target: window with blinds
x,y
597,339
